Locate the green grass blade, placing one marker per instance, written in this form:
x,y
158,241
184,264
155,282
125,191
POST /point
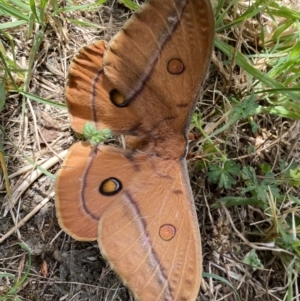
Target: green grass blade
x,y
12,24
84,23
4,169
223,280
42,10
44,101
13,291
7,70
230,201
252,11
7,275
222,11
2,93
130,4
21,4
33,9
11,11
82,7
262,77
285,12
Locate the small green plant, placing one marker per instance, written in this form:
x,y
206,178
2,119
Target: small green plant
x,y
260,187
290,173
242,110
253,260
95,136
225,174
257,188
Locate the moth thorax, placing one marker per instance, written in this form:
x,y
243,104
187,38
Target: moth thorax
x,y
170,147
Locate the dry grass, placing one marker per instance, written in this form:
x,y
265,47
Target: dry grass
x,y
36,135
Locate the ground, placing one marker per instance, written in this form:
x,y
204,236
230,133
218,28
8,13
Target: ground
x,y
65,269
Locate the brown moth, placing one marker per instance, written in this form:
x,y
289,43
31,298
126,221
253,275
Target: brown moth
x,y
138,203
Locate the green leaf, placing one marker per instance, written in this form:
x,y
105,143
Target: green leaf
x,y
256,188
265,167
95,136
296,200
295,175
253,260
285,167
249,175
254,126
244,109
223,175
270,182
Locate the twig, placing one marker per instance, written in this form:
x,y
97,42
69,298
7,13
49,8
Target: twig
x,y
27,217
30,179
252,245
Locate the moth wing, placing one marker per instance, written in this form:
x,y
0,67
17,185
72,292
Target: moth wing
x,y
158,62
146,225
150,235
137,92
79,203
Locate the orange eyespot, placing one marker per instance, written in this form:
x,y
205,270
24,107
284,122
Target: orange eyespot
x,y
117,98
167,232
175,66
110,186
